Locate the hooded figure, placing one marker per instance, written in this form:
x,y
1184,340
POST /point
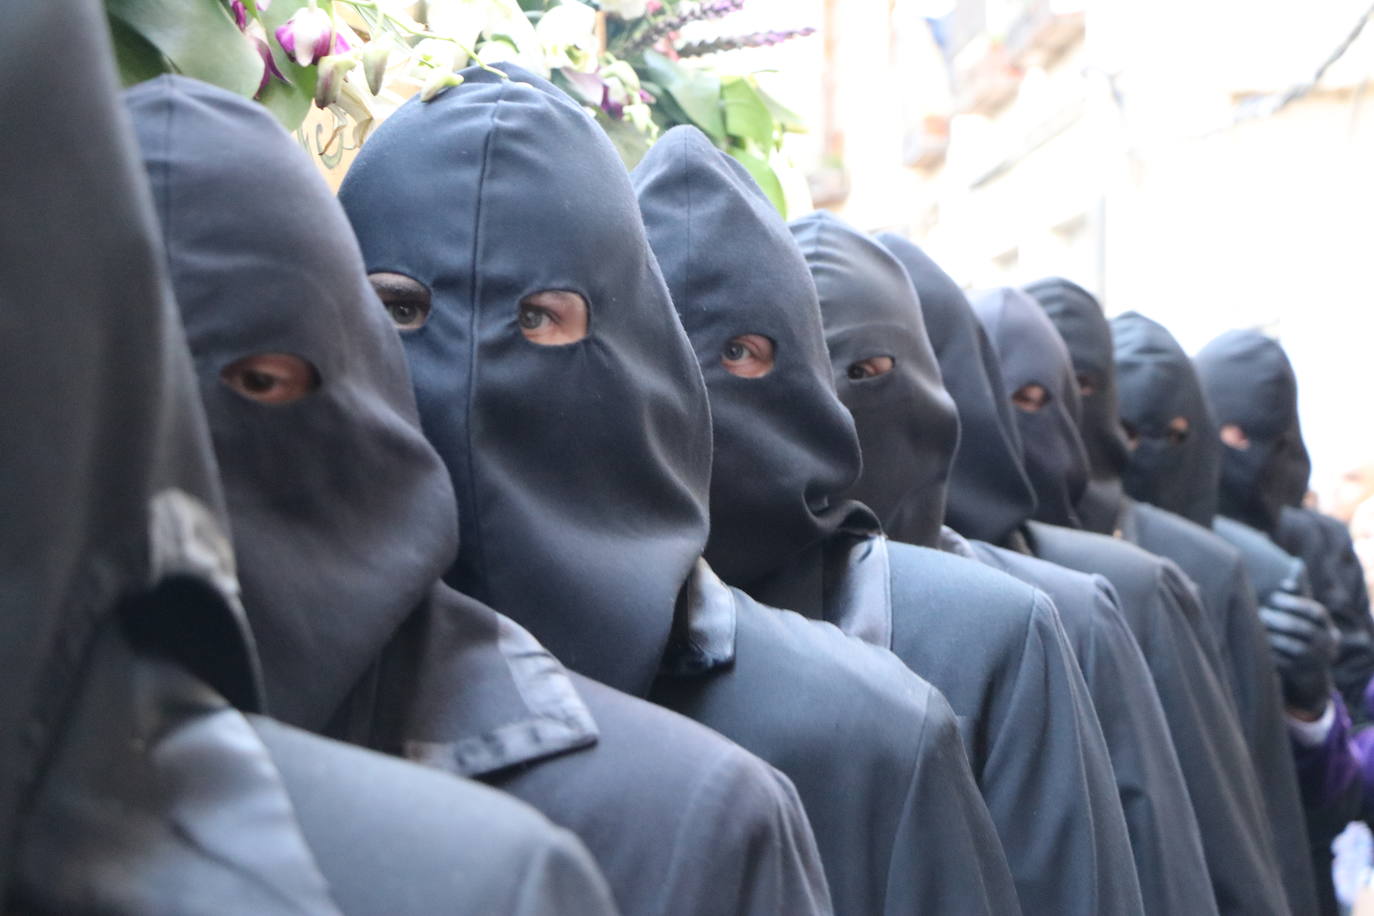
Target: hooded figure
x,y
1161,397
1164,835
785,449
1163,614
1253,393
1214,566
133,780
557,384
989,496
298,365
1078,318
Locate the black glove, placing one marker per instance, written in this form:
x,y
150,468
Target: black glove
x,y
1304,642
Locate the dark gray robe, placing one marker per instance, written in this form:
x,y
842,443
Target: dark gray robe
x,y
599,555
1164,617
341,559
1165,840
132,781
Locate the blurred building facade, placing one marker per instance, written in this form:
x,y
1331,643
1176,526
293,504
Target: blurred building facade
x,y
1174,157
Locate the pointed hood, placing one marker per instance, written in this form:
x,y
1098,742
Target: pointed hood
x,y
108,492
785,447
990,495
1176,468
907,423
1080,321
1032,353
1250,383
582,469
263,262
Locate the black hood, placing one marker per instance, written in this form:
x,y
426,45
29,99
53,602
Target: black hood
x,y
785,446
989,495
908,425
1249,382
1156,382
1080,321
263,261
582,469
1031,352
107,483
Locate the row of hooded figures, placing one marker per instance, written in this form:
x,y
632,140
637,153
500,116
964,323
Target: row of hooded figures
x,y
638,552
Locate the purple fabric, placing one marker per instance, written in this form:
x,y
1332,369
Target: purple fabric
x,y
1326,771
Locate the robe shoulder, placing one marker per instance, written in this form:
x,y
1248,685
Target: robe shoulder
x,y
1247,665
849,723
1222,782
995,647
671,811
1268,564
395,837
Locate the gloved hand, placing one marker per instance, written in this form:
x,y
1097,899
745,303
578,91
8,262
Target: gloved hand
x,y
1304,642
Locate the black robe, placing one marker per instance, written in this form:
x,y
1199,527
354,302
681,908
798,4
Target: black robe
x,y
907,425
1160,605
1164,832
581,476
1249,382
1181,473
785,449
1234,637
136,778
341,559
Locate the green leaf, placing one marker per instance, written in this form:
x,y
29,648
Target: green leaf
x,y
289,103
746,116
697,92
785,117
629,141
136,58
763,173
198,37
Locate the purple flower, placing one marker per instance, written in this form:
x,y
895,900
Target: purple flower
x,y
307,35
610,105
240,13
269,66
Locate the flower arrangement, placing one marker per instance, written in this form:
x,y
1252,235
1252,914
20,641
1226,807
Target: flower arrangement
x,y
624,60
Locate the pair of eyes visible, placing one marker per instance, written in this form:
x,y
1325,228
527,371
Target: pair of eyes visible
x,y
1175,434
549,318
753,356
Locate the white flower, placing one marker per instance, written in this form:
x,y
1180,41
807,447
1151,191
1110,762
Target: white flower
x,y
625,9
567,34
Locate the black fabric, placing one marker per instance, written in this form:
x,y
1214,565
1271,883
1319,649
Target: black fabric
x,y
1164,617
106,486
1078,317
708,223
1163,830
277,271
907,423
622,411
1233,634
459,848
992,646
1156,382
639,561
1165,840
1030,351
989,494
444,680
1249,382
1247,668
